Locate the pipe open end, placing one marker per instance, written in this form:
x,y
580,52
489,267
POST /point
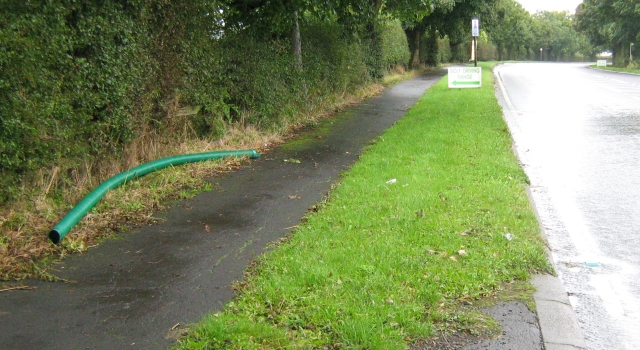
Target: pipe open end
x,y
54,236
255,155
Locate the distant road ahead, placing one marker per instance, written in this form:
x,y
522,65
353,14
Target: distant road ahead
x,y
577,131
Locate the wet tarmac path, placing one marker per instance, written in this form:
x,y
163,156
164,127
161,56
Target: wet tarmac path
x,y
577,131
140,290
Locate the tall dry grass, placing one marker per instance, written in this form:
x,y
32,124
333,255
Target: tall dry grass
x,y
26,252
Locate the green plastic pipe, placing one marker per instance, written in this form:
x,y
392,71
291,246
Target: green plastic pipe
x,y
78,212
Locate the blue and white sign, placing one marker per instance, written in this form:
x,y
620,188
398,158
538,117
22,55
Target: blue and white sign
x,y
475,27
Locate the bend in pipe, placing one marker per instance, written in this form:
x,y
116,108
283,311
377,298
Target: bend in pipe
x,y
80,210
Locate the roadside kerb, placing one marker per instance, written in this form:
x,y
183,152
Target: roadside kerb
x,y
612,71
558,322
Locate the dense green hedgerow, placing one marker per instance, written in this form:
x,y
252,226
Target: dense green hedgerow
x,y
395,48
67,75
79,80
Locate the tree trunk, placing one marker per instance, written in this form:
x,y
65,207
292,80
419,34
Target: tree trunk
x,y
458,52
414,35
378,6
432,48
621,55
296,43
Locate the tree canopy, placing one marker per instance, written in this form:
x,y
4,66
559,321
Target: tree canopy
x,y
542,36
610,25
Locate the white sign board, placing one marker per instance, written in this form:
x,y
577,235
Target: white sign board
x,y
601,63
465,77
475,27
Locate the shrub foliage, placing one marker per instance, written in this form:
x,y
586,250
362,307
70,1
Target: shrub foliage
x,y
79,80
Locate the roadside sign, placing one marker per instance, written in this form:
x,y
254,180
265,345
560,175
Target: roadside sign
x,y
475,27
601,63
465,77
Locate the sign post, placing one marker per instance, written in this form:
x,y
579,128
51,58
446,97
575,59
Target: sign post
x,y
475,33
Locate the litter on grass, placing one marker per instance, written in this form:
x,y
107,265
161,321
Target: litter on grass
x,y
392,181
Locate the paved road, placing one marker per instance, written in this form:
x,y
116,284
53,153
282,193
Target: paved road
x,y
139,291
577,132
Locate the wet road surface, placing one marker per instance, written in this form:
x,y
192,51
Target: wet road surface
x,y
138,291
577,131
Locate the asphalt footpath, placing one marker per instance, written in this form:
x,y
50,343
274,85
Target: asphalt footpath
x,y
142,289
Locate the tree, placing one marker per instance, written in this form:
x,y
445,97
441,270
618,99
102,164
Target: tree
x,y
451,18
456,24
270,18
511,32
545,35
556,34
610,25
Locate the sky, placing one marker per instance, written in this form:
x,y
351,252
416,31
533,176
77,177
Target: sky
x,y
550,5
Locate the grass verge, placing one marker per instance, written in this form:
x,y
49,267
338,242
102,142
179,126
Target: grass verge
x,y
617,69
433,216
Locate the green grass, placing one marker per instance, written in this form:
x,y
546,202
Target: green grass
x,y
379,263
617,69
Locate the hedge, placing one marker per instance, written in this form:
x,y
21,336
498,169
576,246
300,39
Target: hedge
x,y
80,79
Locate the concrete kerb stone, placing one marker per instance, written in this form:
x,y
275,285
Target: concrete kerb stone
x,y
557,319
559,347
558,323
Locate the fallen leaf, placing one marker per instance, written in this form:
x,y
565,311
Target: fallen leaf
x,y
207,228
453,258
462,252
